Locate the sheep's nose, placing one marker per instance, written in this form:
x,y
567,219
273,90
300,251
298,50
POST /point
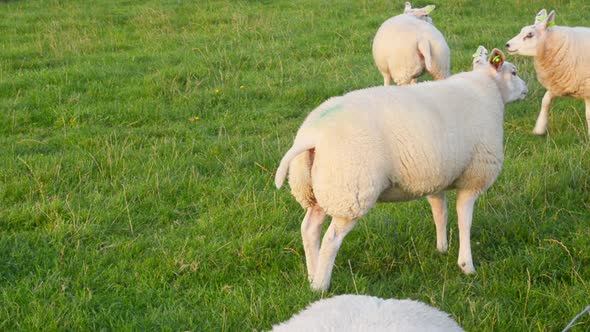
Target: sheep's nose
x,y
507,45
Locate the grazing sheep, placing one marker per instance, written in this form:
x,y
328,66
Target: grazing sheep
x,y
406,44
397,144
562,61
367,313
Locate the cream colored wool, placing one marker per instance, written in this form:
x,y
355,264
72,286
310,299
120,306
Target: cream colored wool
x,y
408,44
562,62
396,144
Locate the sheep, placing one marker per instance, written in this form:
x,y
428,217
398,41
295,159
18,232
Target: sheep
x,y
562,62
368,313
406,44
396,144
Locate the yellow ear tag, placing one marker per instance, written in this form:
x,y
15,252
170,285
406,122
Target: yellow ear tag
x,y
496,59
542,18
428,9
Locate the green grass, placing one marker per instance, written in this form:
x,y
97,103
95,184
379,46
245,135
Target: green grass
x,y
120,210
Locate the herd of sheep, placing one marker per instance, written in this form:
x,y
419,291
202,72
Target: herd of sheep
x,y
390,144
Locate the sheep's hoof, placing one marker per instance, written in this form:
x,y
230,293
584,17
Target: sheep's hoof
x,y
319,286
442,249
467,268
539,132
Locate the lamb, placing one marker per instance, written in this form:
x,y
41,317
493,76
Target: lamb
x,y
562,62
368,313
396,144
406,44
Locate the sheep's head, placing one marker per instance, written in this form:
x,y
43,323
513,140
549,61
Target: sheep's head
x,y
511,86
420,13
525,43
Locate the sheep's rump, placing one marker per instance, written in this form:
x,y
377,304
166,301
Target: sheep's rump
x,y
395,48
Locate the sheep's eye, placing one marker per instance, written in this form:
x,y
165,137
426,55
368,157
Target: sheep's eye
x,y
529,35
513,73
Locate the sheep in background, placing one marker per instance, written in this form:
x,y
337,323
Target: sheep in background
x,y
406,44
562,61
397,144
367,313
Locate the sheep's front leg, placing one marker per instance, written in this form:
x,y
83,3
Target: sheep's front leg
x,y
588,115
311,229
465,202
543,118
338,229
438,204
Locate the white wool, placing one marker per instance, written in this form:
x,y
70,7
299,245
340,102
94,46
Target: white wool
x,y
405,46
367,313
402,143
395,144
562,61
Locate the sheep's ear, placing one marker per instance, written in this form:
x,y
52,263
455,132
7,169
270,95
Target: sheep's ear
x,y
428,9
497,59
547,22
423,11
541,15
408,7
480,57
481,52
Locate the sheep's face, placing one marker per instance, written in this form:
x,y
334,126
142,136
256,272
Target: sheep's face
x,y
420,13
525,43
513,87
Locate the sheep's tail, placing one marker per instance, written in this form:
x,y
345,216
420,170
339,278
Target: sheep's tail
x,y
297,148
424,48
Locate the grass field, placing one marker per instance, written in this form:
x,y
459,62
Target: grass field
x,y
138,143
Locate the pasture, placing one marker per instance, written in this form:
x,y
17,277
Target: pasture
x,y
139,140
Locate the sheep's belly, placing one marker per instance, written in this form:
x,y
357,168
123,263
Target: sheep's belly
x,y
396,194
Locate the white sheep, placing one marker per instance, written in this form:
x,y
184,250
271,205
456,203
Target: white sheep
x,y
406,44
367,313
562,61
398,144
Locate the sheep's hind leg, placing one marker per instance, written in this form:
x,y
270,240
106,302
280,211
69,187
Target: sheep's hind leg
x,y
543,118
438,204
588,115
338,229
465,202
311,229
